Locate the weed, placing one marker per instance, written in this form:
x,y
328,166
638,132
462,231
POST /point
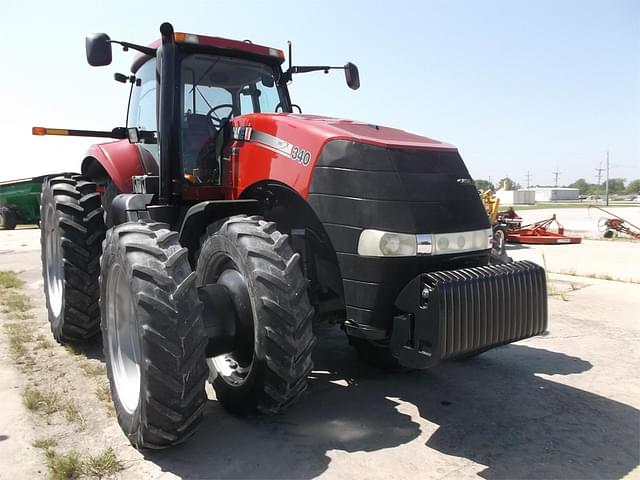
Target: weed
x,y
43,342
19,334
45,443
92,369
41,401
105,464
103,392
72,414
64,466
15,302
9,279
72,350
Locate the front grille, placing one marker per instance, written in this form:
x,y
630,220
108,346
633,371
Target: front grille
x,y
485,307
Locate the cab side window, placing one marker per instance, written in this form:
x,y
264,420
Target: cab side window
x,y
142,109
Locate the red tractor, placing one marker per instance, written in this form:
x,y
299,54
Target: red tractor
x,y
207,240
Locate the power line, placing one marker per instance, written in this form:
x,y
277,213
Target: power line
x,y
556,174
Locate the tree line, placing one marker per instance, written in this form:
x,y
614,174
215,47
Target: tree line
x,y
617,186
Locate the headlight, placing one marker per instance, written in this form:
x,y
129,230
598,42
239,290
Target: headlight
x,y
376,243
445,243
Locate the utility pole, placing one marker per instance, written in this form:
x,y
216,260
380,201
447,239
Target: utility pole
x,y
600,170
556,174
528,177
606,187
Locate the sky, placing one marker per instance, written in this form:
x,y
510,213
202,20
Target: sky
x,y
518,86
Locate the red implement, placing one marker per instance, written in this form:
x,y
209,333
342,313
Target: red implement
x,y
615,225
539,233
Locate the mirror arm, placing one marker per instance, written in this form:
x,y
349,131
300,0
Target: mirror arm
x,y
126,46
287,75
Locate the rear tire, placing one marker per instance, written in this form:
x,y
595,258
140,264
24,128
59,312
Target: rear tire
x,y
153,337
71,243
8,220
271,359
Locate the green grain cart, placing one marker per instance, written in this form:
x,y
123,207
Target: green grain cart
x,y
20,201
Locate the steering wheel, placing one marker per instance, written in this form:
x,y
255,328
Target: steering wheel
x,y
217,121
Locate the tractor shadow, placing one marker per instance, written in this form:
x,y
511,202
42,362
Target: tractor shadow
x,y
494,410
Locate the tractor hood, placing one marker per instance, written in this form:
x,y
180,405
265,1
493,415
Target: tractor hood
x,y
312,131
334,129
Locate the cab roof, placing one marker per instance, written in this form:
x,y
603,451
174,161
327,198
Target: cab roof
x,y
217,42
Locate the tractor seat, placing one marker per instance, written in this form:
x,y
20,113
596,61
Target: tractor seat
x,y
199,131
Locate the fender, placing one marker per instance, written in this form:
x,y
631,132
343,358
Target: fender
x,y
119,161
200,215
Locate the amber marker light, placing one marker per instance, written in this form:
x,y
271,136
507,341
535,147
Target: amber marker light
x,y
49,131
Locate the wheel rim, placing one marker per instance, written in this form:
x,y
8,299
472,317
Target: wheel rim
x,y
54,265
124,350
234,367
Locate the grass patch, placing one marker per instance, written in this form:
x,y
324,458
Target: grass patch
x,y
71,350
104,464
9,279
103,392
597,276
72,414
36,400
19,334
45,443
557,205
92,369
64,466
71,465
13,302
43,342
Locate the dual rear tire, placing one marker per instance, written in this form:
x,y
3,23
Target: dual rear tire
x,y
142,295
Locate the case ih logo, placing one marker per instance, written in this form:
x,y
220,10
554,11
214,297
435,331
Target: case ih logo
x,y
247,134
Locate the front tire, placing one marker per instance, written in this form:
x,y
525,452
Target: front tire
x,y
72,230
268,366
153,337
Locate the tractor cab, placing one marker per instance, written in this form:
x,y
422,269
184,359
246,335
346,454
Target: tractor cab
x,y
217,79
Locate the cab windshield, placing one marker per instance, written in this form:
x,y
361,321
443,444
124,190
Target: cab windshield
x,y
215,89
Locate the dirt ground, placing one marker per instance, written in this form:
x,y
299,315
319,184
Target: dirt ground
x,y
563,405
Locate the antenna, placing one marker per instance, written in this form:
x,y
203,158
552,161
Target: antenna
x,y
289,44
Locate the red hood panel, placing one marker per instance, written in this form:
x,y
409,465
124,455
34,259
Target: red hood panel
x,y
329,128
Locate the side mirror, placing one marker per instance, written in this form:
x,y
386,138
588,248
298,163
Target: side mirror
x,y
352,75
132,135
98,49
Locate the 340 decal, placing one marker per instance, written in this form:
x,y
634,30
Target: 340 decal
x,y
300,155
